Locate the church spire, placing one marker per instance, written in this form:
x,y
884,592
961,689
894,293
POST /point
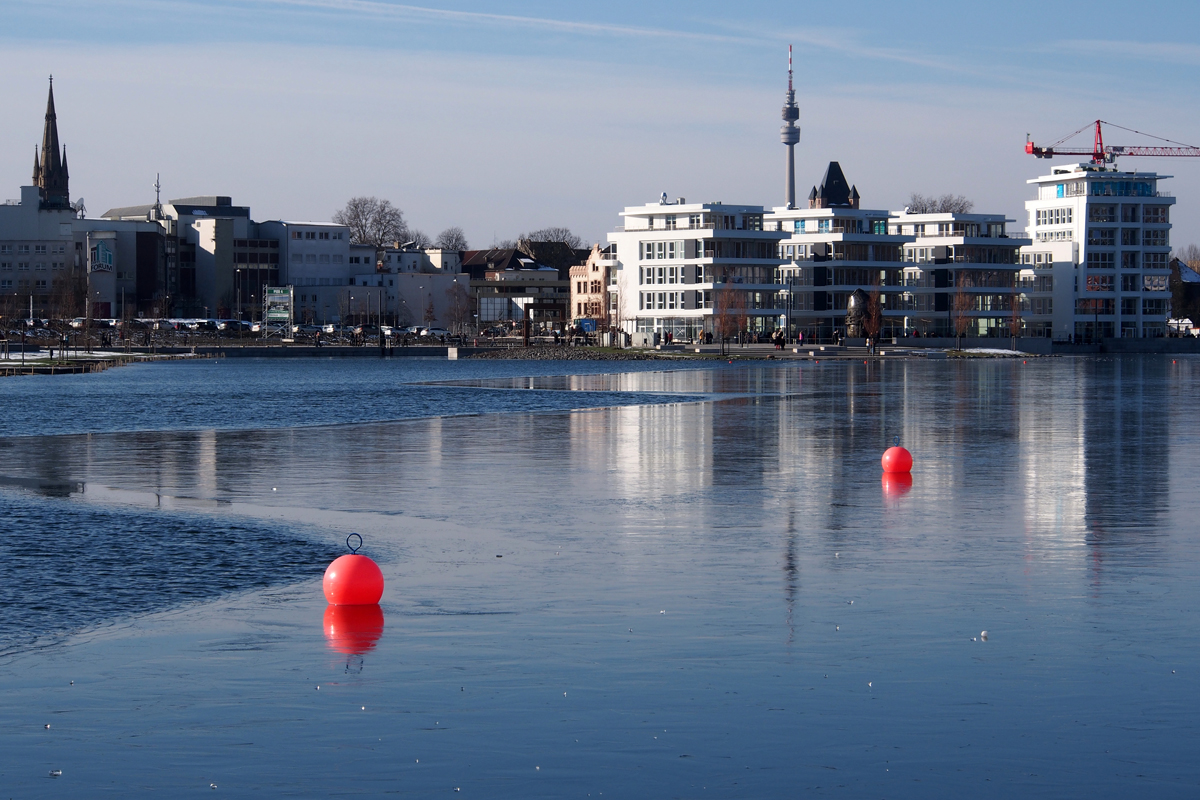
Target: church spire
x,y
51,174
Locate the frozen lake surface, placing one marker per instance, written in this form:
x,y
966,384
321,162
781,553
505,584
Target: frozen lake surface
x,y
635,579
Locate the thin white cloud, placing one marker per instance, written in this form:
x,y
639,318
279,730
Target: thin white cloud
x,y
1170,52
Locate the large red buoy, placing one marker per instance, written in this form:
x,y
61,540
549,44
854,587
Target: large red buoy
x,y
353,580
353,630
897,459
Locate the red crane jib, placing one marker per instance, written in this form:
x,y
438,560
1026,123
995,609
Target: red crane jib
x,y
1101,152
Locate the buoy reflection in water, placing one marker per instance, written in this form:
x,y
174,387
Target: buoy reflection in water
x,y
896,484
353,630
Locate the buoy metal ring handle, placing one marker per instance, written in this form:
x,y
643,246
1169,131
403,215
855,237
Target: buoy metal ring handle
x,y
353,548
896,441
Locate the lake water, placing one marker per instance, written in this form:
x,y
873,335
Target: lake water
x,y
632,579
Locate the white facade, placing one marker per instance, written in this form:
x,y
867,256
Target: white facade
x,y
671,259
314,258
1108,233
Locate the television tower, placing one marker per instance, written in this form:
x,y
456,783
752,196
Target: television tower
x,y
790,134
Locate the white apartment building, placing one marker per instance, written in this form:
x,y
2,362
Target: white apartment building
x,y
672,259
1103,236
961,272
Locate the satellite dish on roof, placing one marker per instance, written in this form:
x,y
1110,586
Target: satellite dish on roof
x,y
662,201
79,208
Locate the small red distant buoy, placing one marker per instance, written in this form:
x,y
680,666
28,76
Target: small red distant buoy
x,y
896,459
353,580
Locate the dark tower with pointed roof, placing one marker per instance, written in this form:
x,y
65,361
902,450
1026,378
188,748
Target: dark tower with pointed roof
x,y
50,174
835,190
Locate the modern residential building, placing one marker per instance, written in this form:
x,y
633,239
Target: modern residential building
x,y
831,249
962,277
1103,235
678,263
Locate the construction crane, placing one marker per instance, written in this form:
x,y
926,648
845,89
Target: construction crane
x,y
1102,153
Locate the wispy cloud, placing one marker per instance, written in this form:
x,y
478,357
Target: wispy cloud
x,y
1170,52
401,11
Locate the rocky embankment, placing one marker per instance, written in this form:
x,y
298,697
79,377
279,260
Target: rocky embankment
x,y
568,354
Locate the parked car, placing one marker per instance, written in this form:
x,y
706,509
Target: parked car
x,y
413,330
435,332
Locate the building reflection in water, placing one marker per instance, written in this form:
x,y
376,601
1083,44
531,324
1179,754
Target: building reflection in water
x,y
1070,456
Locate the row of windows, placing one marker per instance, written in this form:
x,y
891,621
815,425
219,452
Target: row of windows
x,y
1130,237
312,258
21,266
1056,236
1150,215
1129,306
592,287
651,251
317,234
667,275
653,300
1104,282
38,285
1054,216
38,249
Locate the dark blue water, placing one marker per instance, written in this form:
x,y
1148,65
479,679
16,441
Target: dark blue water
x,y
268,393
694,598
66,566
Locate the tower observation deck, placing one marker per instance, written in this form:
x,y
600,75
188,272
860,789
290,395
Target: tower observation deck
x,y
789,134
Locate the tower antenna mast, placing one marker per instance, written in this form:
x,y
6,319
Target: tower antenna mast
x,y
790,135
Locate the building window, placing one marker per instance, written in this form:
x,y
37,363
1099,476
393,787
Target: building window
x,y
822,226
1099,283
39,249
1154,308
5,249
22,249
22,265
310,234
297,234
1100,260
1054,216
1155,215
337,259
670,222
1102,213
1155,283
1155,238
6,284
310,258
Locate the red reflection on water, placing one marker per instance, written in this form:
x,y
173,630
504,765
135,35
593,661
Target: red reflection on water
x,y
896,484
353,630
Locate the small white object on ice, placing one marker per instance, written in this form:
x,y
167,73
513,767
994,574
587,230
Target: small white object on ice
x,y
837,555
274,489
868,684
47,726
983,636
837,627
212,786
538,768
54,773
663,611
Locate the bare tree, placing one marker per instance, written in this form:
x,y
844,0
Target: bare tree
x,y
451,239
873,321
1189,254
729,313
553,234
460,306
963,305
420,239
430,313
947,203
505,244
1014,322
372,221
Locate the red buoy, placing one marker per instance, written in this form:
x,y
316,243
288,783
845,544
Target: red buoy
x,y
353,580
353,630
896,459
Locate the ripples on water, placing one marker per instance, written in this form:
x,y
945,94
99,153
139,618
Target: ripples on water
x,y
271,393
65,566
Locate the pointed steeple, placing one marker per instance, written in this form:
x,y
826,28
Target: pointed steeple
x,y
37,169
51,174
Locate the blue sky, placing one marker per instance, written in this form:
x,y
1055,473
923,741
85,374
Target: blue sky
x,y
503,117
